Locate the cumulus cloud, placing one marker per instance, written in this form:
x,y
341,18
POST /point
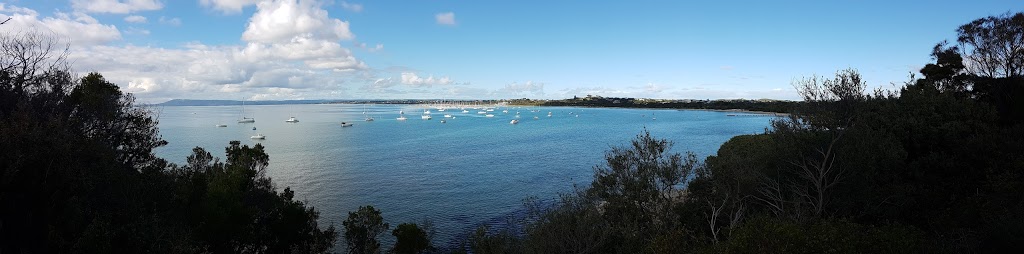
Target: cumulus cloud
x,y
529,88
116,6
135,19
136,30
445,18
351,7
301,65
201,70
170,21
653,88
283,20
227,6
379,47
380,85
410,78
11,9
80,28
376,48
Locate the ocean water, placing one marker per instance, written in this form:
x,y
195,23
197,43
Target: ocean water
x,y
460,174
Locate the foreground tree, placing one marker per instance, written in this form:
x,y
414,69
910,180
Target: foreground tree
x,y
362,228
410,239
639,187
234,208
994,45
78,174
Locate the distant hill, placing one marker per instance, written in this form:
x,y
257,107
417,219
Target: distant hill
x,y
185,102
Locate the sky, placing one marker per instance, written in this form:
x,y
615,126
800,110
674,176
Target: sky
x,y
447,49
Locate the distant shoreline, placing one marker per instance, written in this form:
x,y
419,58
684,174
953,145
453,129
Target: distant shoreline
x,y
743,111
183,102
740,111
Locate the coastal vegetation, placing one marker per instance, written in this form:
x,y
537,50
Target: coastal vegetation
x,y
935,166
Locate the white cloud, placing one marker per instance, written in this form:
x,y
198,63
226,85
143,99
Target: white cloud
x,y
351,7
653,88
376,48
446,18
302,65
136,30
228,6
4,8
135,19
514,89
410,78
284,20
79,28
116,6
201,71
170,21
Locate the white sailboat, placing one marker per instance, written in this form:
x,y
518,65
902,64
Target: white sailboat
x,y
245,119
368,117
401,116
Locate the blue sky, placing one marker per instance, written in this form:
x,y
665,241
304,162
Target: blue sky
x,y
323,49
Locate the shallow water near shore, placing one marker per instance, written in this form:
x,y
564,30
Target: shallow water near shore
x,y
470,170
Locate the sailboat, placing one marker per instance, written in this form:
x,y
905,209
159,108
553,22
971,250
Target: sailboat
x,y
245,119
401,116
368,117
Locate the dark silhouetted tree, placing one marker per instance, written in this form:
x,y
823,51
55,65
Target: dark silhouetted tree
x,y
362,229
410,239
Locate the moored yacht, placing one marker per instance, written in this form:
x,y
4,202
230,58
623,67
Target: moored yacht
x,y
292,120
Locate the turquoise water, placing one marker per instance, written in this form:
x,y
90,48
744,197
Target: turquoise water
x,y
459,174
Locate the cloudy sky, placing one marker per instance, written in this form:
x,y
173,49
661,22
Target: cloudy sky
x,y
363,49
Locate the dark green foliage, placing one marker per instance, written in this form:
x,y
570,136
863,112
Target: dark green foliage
x,y
775,106
234,207
485,242
410,238
638,187
78,174
993,45
572,225
767,235
362,228
935,167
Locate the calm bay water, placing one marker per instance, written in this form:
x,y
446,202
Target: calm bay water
x,y
459,174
